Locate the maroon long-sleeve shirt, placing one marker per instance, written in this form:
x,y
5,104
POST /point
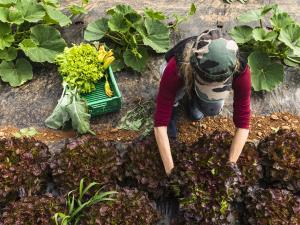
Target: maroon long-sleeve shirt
x,y
171,82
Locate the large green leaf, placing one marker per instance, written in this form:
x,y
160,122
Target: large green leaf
x,y
157,15
255,14
121,9
30,10
96,30
241,34
7,2
281,20
265,74
136,60
78,111
15,16
60,116
157,35
6,38
8,54
261,34
44,44
290,35
118,23
16,74
57,16
4,12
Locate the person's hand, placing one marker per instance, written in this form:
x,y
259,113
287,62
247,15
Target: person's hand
x,y
169,168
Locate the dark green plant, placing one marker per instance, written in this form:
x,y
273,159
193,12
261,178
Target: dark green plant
x,y
26,28
130,207
77,203
24,167
269,48
31,211
133,34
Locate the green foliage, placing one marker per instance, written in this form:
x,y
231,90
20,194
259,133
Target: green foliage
x,y
182,18
79,9
266,75
139,118
268,48
70,107
80,67
26,132
26,26
133,34
79,202
16,74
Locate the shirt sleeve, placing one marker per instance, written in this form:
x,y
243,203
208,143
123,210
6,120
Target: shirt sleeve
x,y
169,85
241,104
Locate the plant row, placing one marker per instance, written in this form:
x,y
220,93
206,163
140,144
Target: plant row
x,y
210,191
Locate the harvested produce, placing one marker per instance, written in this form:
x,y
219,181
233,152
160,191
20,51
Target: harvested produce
x,y
31,211
24,168
281,152
70,106
81,66
131,207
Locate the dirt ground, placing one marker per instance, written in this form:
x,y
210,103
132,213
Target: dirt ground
x,y
189,132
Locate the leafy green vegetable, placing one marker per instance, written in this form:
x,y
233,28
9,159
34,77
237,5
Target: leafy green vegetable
x,y
133,34
78,112
70,106
80,67
59,115
279,43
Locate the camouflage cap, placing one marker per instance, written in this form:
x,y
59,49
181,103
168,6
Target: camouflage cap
x,y
213,57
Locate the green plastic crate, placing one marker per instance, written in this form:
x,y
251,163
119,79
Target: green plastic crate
x,y
99,103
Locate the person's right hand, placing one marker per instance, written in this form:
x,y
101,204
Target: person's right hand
x,y
169,168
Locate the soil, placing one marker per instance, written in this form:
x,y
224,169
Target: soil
x,y
189,131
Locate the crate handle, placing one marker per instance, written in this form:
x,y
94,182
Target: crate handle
x,y
104,104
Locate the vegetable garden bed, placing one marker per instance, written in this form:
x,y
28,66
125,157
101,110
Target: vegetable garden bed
x,y
208,190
